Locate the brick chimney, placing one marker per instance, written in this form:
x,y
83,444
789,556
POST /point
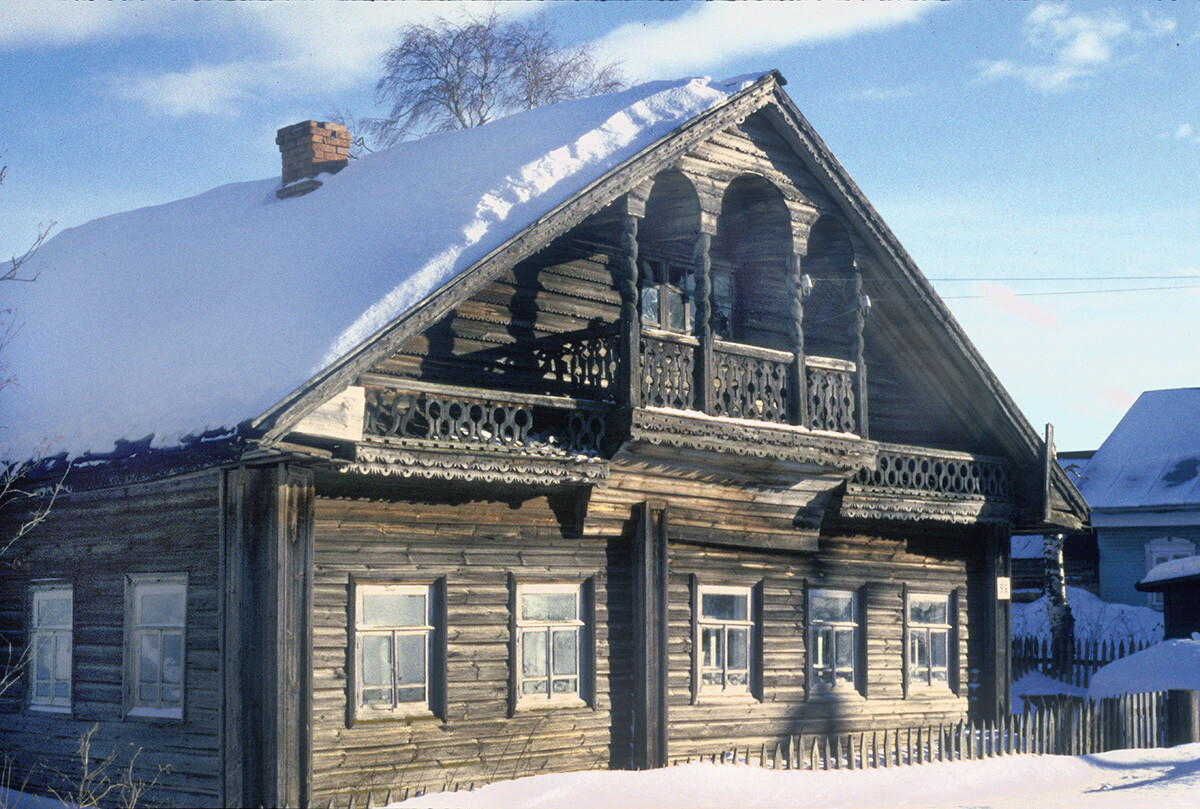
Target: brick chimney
x,y
308,149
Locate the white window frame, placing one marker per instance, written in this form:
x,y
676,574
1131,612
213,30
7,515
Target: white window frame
x,y
397,706
60,640
923,675
708,668
527,628
137,632
826,639
1164,549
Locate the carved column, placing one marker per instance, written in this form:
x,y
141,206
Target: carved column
x,y
702,269
860,365
630,378
798,380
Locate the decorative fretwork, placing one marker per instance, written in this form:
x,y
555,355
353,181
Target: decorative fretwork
x,y
748,383
831,404
914,471
668,370
446,420
580,361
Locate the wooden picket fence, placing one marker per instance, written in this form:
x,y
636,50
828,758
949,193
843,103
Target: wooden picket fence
x,y
1031,653
1066,727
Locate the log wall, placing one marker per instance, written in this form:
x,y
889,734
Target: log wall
x,y
93,539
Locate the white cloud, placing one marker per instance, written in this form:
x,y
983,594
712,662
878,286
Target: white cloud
x,y
1078,45
709,36
32,23
1187,132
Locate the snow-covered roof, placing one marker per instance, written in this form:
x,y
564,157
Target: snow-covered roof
x,y
1152,458
205,312
1173,570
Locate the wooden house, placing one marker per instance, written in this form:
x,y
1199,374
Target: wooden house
x,y
1144,492
691,456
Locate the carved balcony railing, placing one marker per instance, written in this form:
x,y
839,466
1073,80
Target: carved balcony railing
x,y
448,417
832,404
581,362
932,472
668,363
750,382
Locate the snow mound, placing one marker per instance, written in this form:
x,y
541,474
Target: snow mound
x,y
1036,684
1095,620
205,312
1171,664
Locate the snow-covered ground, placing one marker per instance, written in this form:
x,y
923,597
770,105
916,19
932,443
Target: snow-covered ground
x,y
1095,620
1123,778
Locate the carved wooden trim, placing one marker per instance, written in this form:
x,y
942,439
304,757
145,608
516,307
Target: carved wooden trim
x,y
410,460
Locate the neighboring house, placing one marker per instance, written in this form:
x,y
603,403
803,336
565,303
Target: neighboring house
x,y
1144,492
565,442
1178,582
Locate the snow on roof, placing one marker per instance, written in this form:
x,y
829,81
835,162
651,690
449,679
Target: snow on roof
x,y
202,313
1152,457
1171,664
1187,567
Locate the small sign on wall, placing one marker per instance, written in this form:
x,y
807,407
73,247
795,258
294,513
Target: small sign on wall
x,y
1003,588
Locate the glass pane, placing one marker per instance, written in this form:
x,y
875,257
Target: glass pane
x,y
918,654
650,305
375,665
148,693
42,689
713,648
548,606
832,607
410,659
565,651
172,652
377,696
711,677
821,653
927,610
62,690
737,678
63,657
151,658
162,609
937,644
533,654
45,657
533,687
412,693
566,686
393,609
171,695
739,648
54,612
845,650
724,606
676,311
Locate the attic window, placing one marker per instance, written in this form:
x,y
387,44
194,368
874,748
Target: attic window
x,y
667,297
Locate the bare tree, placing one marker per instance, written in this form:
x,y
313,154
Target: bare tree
x,y
460,74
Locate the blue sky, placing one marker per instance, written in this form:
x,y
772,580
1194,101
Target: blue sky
x,y
1001,141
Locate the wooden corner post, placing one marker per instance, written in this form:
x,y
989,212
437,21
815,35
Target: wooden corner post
x,y
650,637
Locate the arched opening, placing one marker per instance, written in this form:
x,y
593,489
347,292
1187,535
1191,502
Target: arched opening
x,y
666,241
752,286
830,326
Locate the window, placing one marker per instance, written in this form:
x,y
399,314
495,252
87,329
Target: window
x,y
723,624
667,301
832,638
928,628
50,680
393,638
155,645
549,630
1164,549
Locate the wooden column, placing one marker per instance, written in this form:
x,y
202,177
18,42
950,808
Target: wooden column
x,y
702,268
860,365
266,635
630,378
798,381
650,638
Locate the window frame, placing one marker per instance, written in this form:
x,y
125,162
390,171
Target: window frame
x,y
751,623
915,629
521,626
656,275
41,591
836,685
145,584
433,704
1164,549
